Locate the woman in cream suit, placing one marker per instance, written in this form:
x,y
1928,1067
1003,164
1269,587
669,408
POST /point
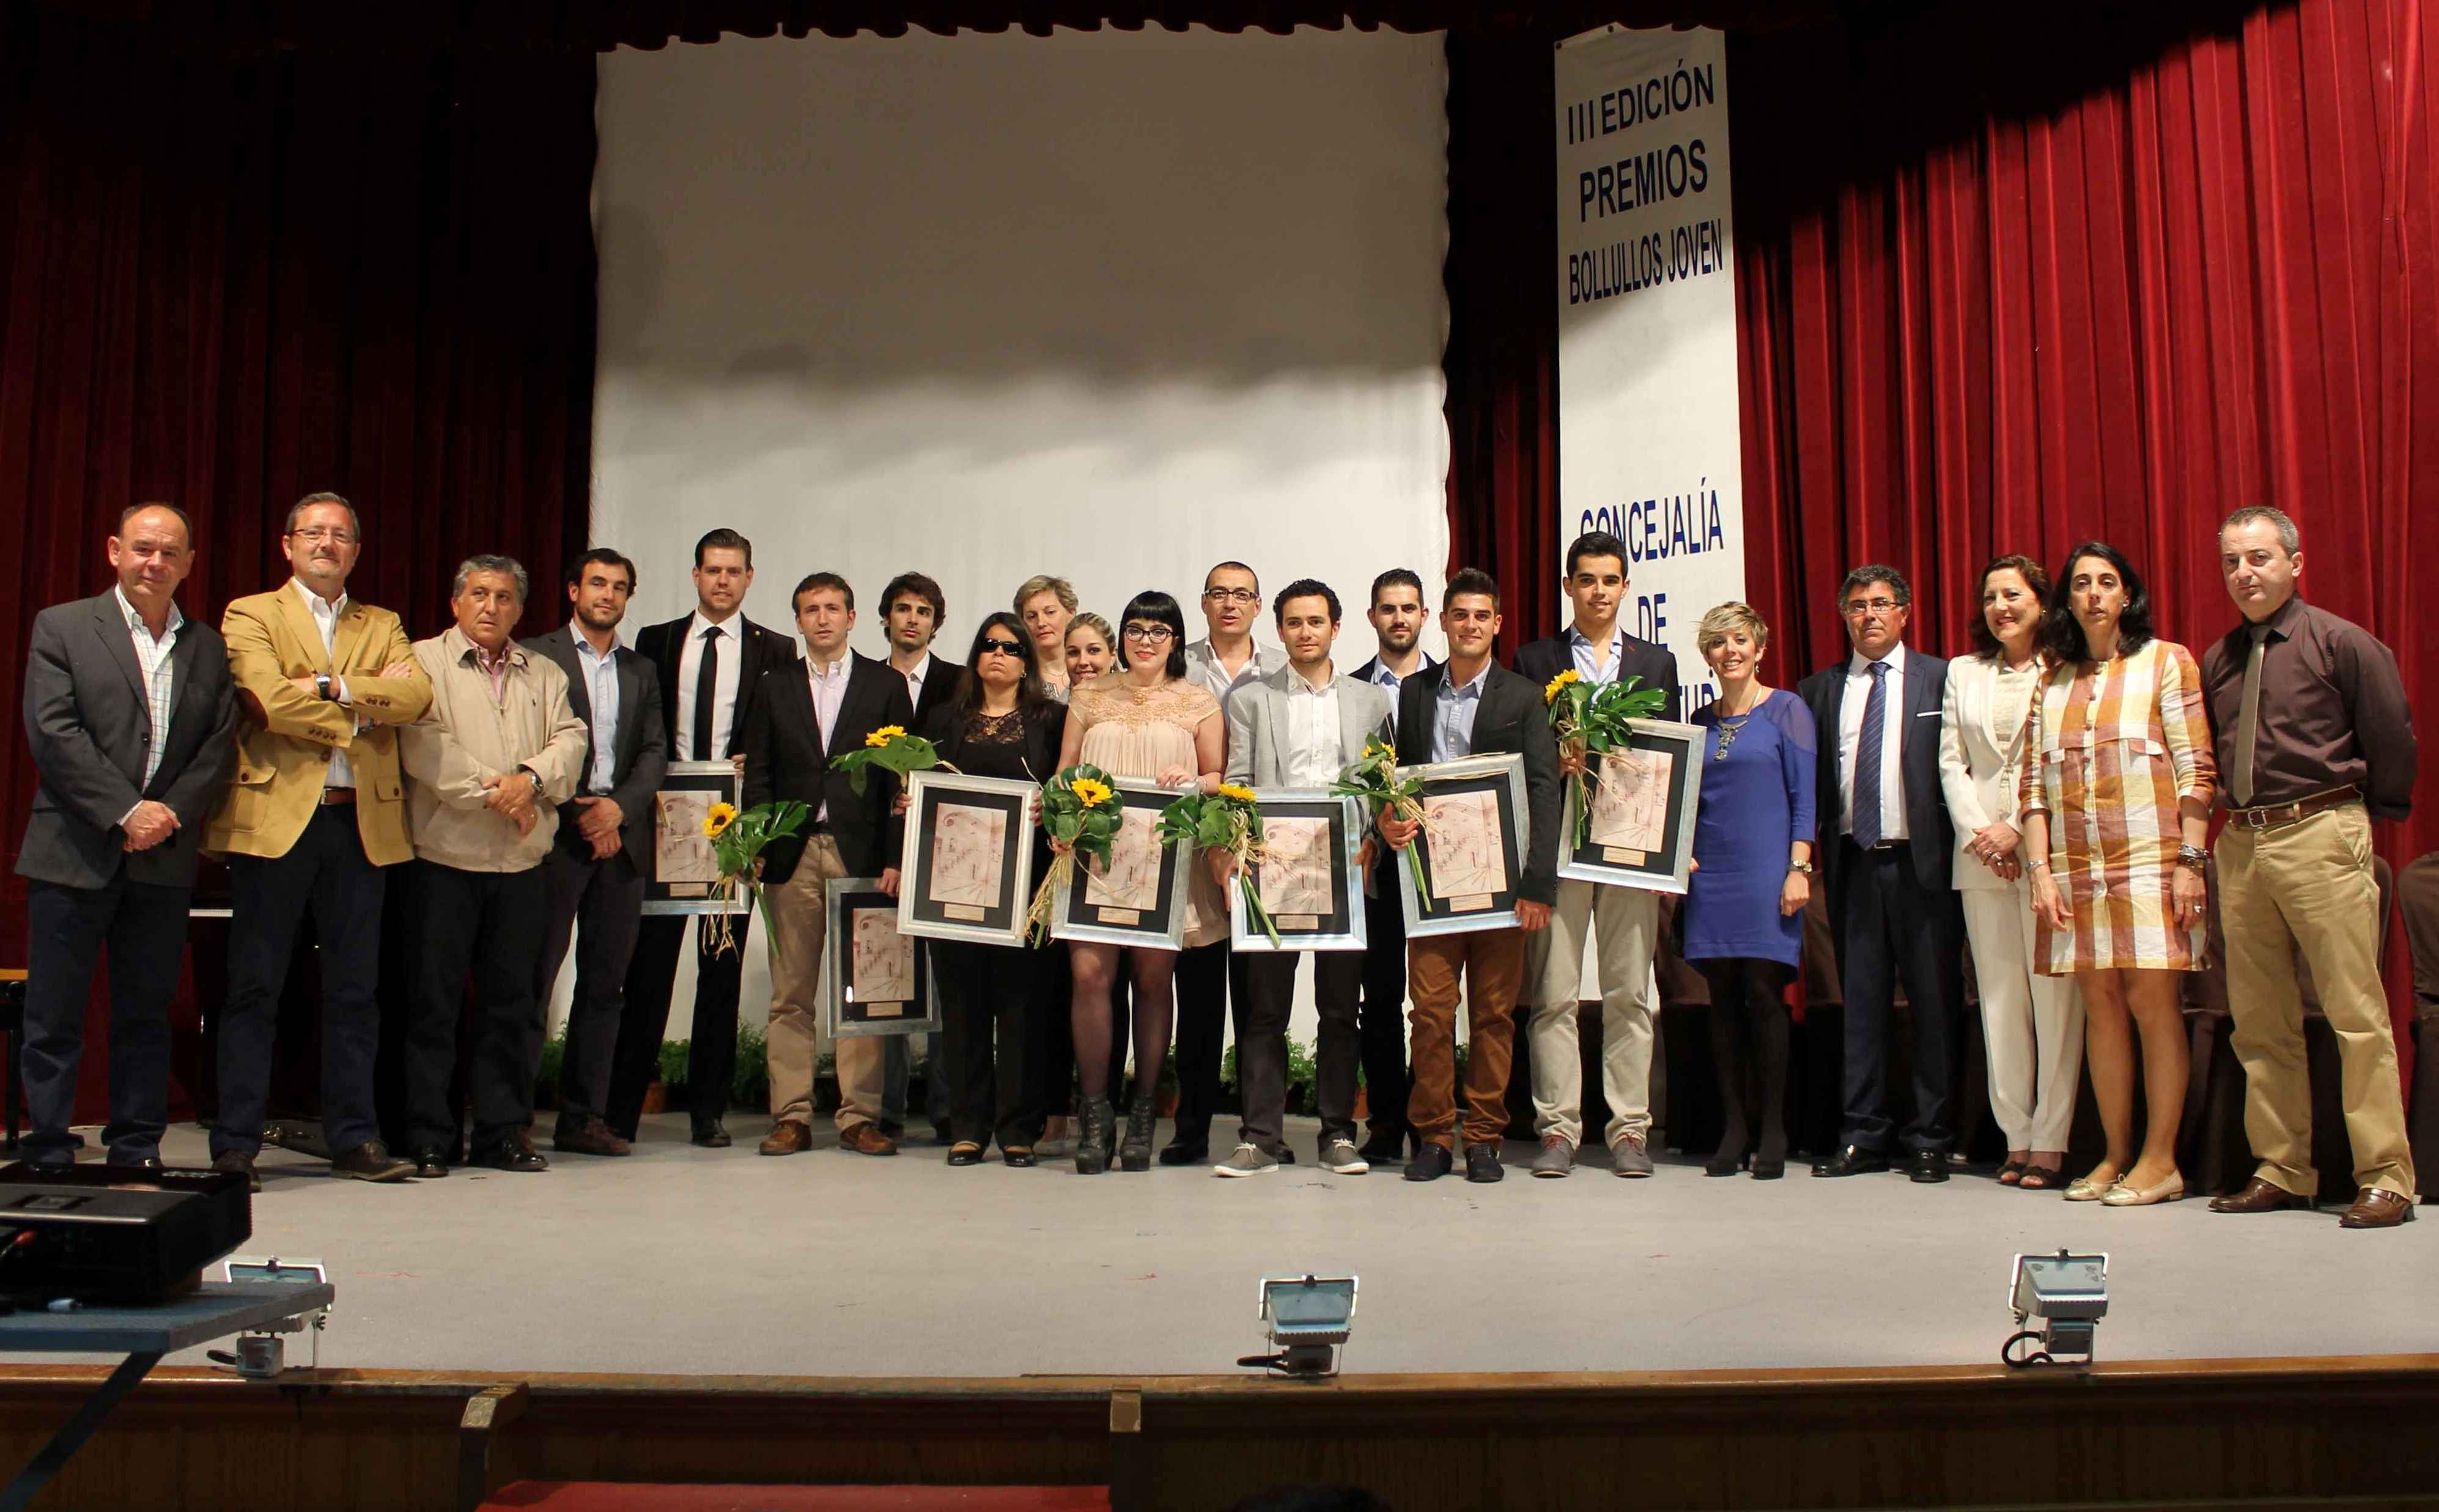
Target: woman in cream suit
x,y
2031,1024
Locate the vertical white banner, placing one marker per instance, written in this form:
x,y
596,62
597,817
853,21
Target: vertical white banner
x,y
1649,447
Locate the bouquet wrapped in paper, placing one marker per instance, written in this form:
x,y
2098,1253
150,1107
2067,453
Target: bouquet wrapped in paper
x,y
1228,821
1080,811
1374,780
1590,720
736,842
891,749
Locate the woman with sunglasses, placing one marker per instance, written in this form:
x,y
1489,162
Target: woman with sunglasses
x,y
999,723
1147,722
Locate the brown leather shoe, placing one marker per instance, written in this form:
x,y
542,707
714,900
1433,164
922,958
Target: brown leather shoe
x,y
2260,1197
591,1137
2376,1207
866,1139
787,1136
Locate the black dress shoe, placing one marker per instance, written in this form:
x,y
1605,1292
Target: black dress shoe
x,y
1185,1152
511,1155
237,1162
1927,1165
431,1165
1852,1161
710,1134
1482,1164
1383,1148
371,1162
1429,1163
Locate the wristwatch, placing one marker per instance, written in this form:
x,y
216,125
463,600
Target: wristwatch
x,y
322,684
1804,867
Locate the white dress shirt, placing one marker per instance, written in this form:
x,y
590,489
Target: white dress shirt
x,y
325,614
724,681
601,688
1308,747
160,691
830,694
915,679
1850,737
1202,664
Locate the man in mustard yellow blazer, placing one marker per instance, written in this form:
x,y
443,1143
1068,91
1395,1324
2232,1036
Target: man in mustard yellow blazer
x,y
314,815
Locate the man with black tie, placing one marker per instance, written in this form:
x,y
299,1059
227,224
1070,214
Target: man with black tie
x,y
1891,909
803,717
1398,614
593,878
130,716
709,665
1625,921
912,610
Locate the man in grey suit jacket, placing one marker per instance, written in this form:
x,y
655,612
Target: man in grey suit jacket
x,y
131,717
597,865
1299,728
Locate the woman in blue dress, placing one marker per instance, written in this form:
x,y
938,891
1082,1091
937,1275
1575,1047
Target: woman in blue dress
x,y
1753,857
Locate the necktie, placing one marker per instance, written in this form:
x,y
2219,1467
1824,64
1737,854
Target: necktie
x,y
1867,759
706,693
2247,725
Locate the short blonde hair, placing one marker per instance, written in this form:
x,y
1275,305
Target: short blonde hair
x,y
1725,620
1040,583
1088,620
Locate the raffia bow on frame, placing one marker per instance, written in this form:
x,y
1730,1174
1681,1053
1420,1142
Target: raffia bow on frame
x,y
1231,821
1590,720
1080,811
736,843
1374,780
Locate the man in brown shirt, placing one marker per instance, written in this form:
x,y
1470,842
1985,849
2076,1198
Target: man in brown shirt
x,y
2315,740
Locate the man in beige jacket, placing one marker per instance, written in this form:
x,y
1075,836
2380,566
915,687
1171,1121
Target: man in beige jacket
x,y
312,819
487,765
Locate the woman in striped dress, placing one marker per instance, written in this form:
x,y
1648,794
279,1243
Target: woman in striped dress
x,y
2117,785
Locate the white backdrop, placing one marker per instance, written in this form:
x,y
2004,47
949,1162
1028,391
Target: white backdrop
x,y
1109,305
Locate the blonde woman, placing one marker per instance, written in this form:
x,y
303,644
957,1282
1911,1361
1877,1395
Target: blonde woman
x,y
1046,604
2031,1024
1092,648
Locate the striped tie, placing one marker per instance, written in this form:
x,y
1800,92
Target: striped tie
x,y
1867,759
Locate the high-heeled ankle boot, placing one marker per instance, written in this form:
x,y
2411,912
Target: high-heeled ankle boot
x,y
1730,1157
1098,1121
1134,1154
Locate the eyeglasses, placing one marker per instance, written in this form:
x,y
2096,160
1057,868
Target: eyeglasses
x,y
1147,634
1005,648
338,533
1858,607
1231,596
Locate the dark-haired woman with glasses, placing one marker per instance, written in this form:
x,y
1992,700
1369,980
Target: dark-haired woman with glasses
x,y
2117,785
999,723
1149,722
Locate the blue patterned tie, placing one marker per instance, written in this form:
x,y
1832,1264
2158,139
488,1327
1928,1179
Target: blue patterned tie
x,y
1867,759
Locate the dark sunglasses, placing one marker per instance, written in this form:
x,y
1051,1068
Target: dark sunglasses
x,y
1015,649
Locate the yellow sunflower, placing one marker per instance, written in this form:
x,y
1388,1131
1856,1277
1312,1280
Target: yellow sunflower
x,y
1230,790
884,734
1556,685
1090,794
719,818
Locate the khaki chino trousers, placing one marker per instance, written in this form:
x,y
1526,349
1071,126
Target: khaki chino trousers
x,y
799,918
1624,925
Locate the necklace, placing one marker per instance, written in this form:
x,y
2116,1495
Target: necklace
x,y
1728,732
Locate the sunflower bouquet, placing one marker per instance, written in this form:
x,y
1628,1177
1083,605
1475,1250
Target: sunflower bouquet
x,y
1591,719
1080,810
891,749
736,843
1374,780
1228,820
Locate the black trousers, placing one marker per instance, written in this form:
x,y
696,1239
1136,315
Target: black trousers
x,y
1383,1016
1262,1041
489,925
1207,975
1896,929
898,1074
1750,1035
143,927
326,872
598,904
985,1028
711,1052
1050,1054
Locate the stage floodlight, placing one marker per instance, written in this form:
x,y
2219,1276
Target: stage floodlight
x,y
1309,1317
261,1354
2058,1300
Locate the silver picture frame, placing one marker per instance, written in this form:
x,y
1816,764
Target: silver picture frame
x,y
988,823
1159,922
1501,858
854,910
686,790
1665,817
1341,926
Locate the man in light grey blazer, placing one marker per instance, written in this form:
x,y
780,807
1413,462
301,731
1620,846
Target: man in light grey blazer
x,y
131,717
1298,728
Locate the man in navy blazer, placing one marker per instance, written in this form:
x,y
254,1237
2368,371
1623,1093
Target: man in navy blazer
x,y
1397,616
131,717
1887,845
592,880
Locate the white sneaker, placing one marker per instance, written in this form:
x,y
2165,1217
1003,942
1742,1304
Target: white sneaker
x,y
1250,1160
1340,1158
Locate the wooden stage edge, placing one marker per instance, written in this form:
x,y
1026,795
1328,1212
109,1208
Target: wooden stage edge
x,y
2127,1432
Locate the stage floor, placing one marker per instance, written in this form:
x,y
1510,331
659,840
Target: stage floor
x,y
677,1259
